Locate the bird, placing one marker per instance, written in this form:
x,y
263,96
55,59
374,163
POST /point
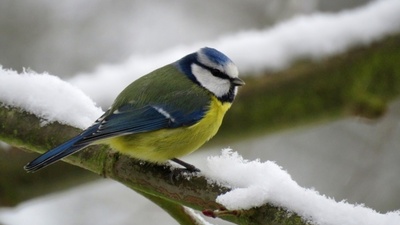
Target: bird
x,y
165,114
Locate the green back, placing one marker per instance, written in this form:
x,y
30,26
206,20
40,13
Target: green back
x,y
166,86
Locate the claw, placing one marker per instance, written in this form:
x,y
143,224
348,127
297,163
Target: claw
x,y
189,167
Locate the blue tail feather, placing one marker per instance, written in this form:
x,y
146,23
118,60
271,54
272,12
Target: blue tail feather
x,y
54,155
67,148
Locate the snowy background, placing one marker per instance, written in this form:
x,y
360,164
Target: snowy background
x,y
86,41
73,36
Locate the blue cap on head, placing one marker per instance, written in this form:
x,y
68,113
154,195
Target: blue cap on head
x,y
214,56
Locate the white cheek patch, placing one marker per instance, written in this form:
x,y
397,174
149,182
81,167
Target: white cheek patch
x,y
216,85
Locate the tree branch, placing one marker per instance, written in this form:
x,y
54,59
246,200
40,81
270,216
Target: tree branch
x,y
24,130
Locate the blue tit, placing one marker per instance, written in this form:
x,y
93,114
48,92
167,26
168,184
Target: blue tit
x,y
163,115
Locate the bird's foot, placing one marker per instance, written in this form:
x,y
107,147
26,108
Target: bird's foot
x,y
188,167
177,172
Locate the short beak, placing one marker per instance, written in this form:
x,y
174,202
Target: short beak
x,y
238,82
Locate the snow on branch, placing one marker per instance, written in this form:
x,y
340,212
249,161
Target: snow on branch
x,y
48,97
256,183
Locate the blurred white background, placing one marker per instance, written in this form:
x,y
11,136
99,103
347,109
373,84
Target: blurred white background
x,y
346,159
71,36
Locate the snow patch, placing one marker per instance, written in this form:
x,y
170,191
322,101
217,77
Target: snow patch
x,y
256,183
48,97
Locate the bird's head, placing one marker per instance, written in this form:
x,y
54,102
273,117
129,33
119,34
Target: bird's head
x,y
212,70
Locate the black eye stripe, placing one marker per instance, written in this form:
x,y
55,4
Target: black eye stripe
x,y
215,72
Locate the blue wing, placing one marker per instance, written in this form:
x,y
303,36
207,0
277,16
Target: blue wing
x,y
123,121
128,120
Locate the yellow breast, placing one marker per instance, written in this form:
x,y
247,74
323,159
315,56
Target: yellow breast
x,y
165,144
